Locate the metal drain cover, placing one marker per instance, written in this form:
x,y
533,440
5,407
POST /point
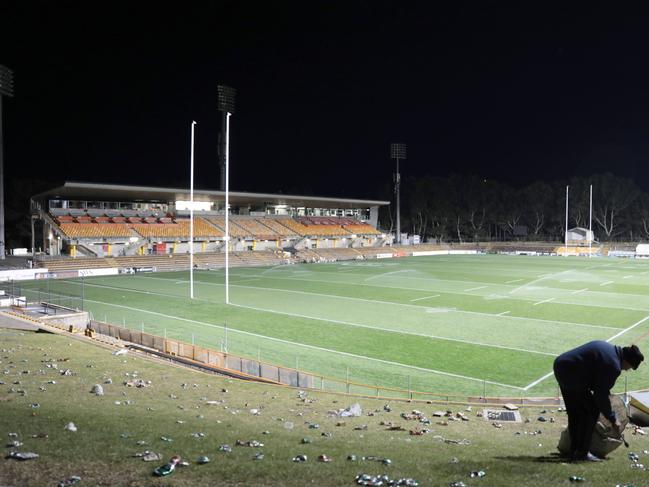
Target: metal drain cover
x,y
501,415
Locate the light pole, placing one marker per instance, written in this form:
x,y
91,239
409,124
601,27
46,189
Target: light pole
x,y
226,107
6,89
398,151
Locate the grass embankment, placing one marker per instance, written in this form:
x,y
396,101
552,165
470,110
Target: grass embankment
x,y
175,406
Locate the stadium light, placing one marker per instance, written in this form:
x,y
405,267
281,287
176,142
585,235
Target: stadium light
x,y
191,216
6,89
398,151
226,96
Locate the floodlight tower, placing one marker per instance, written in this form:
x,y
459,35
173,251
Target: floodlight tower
x,y
226,107
6,89
398,151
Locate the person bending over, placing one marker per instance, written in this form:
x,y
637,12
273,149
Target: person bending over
x,y
586,375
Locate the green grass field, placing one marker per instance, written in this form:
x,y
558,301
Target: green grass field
x,y
449,324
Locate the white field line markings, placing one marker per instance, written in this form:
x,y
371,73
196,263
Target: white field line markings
x,y
532,384
503,313
628,329
541,278
279,340
544,301
579,291
474,289
388,273
606,283
348,323
425,297
513,281
373,301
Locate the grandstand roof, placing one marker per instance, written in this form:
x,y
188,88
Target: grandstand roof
x,y
113,192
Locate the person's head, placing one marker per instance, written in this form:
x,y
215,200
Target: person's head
x,y
631,357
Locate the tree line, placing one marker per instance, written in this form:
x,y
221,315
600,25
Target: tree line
x,y
461,208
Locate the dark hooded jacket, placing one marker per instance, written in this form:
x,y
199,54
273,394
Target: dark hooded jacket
x,y
594,366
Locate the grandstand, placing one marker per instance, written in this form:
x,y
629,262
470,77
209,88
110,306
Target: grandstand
x,y
103,221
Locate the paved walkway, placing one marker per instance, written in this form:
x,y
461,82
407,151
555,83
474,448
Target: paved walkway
x,y
8,321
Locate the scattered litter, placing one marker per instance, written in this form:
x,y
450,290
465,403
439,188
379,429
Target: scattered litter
x,y
477,474
306,441
139,383
16,455
34,405
71,427
255,412
198,435
451,441
149,456
354,410
314,426
167,468
164,438
203,460
97,390
66,372
576,478
108,381
14,444
225,448
324,459
300,458
637,430
372,458
381,480
351,458
457,484
362,427
251,443
121,351
40,435
75,479
542,419
258,456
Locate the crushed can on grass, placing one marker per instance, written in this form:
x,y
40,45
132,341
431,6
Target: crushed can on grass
x,y
576,478
75,479
167,468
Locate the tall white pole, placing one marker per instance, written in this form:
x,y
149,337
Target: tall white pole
x,y
566,232
590,224
191,218
227,208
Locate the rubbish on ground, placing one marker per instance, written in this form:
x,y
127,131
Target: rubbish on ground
x,y
121,351
164,438
305,441
381,480
324,458
576,478
258,456
203,460
167,468
97,390
75,479
16,455
251,443
71,427
300,458
14,444
225,448
351,458
148,456
354,410
477,474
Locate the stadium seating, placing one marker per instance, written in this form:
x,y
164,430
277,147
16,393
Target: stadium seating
x,y
254,228
95,230
233,229
180,229
361,229
278,227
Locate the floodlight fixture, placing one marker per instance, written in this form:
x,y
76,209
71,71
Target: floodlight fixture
x,y
226,97
6,81
6,89
398,151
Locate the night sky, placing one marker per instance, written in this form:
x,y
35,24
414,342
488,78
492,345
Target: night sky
x,y
106,91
